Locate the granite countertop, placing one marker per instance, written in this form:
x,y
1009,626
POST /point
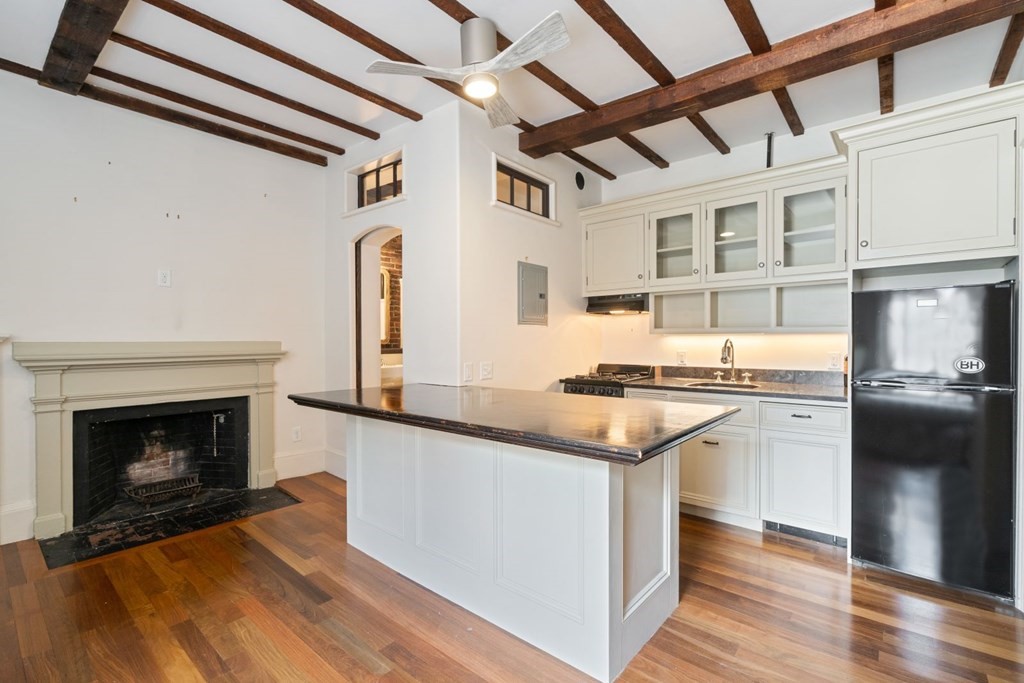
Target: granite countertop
x,y
603,428
808,385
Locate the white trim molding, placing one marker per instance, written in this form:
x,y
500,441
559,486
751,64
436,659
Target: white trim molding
x,y
72,376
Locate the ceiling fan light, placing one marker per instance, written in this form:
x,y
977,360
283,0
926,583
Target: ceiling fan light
x,y
480,85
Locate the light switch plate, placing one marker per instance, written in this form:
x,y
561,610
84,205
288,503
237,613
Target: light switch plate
x,y
834,360
163,277
486,369
467,372
680,357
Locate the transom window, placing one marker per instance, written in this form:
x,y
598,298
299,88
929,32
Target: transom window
x,y
523,191
378,184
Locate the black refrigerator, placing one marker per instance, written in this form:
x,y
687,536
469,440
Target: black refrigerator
x,y
933,445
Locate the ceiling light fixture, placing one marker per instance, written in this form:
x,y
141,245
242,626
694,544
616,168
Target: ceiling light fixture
x,y
480,85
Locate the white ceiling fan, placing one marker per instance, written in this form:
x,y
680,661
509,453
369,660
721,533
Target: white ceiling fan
x,y
481,63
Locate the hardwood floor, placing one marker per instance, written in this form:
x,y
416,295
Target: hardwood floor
x,y
282,597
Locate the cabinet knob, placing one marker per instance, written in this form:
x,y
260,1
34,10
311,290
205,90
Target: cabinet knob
x,y
696,271
640,276
761,264
778,263
863,243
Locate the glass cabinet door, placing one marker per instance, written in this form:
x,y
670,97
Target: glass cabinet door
x,y
809,228
674,246
736,238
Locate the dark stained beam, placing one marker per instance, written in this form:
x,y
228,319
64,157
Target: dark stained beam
x,y
82,31
213,109
1008,52
181,118
708,132
854,40
757,40
884,4
220,28
621,33
194,67
789,112
389,51
886,73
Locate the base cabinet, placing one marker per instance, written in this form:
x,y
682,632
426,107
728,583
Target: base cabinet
x,y
800,478
718,470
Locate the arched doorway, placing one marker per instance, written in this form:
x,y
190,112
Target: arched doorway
x,y
378,308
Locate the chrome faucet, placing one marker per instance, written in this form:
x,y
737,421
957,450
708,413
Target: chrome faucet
x,y
729,356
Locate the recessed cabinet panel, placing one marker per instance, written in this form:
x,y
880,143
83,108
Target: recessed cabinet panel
x,y
679,311
800,478
718,470
674,253
736,238
942,193
615,255
809,229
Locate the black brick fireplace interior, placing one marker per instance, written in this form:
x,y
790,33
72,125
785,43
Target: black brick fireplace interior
x,y
115,448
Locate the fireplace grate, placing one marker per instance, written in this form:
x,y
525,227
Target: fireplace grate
x,y
159,491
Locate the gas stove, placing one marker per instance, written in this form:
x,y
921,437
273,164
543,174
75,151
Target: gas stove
x,y
607,380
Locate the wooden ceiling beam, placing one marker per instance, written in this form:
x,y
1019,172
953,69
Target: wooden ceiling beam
x,y
1008,51
750,27
462,14
213,109
884,4
221,77
612,24
854,40
389,51
708,132
82,31
181,118
225,31
886,76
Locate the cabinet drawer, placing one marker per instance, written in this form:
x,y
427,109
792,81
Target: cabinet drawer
x,y
747,417
803,418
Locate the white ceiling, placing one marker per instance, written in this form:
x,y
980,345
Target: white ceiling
x,y
685,36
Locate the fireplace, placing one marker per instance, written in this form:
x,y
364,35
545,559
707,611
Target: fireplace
x,y
130,458
77,382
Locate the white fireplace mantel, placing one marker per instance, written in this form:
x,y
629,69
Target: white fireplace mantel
x,y
72,376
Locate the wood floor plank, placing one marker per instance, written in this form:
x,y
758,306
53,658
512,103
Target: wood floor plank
x,y
282,596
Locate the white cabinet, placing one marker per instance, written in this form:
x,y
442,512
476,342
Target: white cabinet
x,y
674,254
615,255
809,228
774,461
736,230
803,460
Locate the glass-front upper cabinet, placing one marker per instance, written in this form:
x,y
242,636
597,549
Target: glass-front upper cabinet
x,y
673,246
736,229
810,228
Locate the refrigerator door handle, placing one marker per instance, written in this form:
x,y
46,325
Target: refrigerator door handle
x,y
879,383
978,388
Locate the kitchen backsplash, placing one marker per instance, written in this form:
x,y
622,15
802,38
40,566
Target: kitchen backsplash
x,y
830,378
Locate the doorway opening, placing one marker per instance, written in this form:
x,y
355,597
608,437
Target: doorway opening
x,y
378,309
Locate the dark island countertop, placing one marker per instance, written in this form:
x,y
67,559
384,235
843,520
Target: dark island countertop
x,y
610,429
791,390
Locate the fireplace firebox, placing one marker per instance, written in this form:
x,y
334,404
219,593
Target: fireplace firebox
x,y
128,458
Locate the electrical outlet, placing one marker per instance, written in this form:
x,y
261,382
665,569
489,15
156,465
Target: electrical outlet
x,y
486,369
163,277
835,360
680,357
296,433
467,372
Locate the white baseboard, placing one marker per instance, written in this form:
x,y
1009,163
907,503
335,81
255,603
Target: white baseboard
x,y
16,520
337,464
290,465
725,517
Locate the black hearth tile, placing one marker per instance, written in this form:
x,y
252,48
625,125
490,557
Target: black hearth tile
x,y
98,539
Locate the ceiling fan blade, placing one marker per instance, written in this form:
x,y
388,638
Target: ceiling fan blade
x,y
499,113
384,66
543,39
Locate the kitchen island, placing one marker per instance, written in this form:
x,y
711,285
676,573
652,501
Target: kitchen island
x,y
553,516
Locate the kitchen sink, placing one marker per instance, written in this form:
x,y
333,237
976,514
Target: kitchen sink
x,y
722,385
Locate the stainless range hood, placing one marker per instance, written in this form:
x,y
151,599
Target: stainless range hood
x,y
617,304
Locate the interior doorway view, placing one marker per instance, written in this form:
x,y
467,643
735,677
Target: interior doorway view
x,y
378,308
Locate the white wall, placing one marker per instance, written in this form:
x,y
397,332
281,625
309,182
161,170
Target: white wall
x,y
494,239
85,190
